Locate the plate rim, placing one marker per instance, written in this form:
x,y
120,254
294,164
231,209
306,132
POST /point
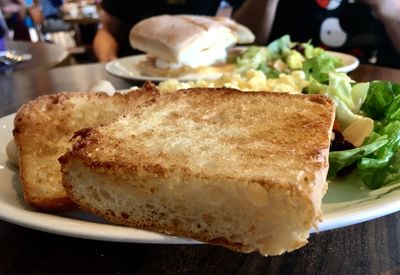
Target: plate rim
x,y
24,215
139,77
135,58
73,226
123,73
345,68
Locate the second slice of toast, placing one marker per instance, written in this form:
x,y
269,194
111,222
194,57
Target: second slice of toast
x,y
242,170
44,127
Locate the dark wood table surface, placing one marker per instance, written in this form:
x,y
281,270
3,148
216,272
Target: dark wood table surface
x,y
371,247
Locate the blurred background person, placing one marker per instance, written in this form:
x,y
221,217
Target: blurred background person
x,y
368,29
51,8
14,11
118,17
52,16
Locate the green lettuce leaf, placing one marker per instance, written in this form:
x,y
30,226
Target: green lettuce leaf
x,y
252,58
320,66
378,159
315,87
348,98
377,169
340,159
279,47
380,97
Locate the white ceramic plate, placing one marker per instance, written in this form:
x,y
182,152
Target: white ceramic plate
x,y
126,67
76,224
349,62
346,202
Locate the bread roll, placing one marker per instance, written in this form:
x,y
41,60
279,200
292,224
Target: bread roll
x,y
185,43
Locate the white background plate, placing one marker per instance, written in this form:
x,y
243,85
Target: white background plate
x,y
346,202
126,67
349,62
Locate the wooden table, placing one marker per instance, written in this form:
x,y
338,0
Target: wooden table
x,y
368,248
44,55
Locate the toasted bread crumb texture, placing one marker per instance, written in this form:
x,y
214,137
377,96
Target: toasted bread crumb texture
x,y
43,129
243,170
241,215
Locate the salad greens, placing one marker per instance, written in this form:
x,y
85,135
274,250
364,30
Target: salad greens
x,y
319,67
377,160
340,159
373,105
283,56
380,98
382,104
348,98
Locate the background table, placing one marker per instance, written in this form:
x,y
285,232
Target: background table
x,y
44,55
368,248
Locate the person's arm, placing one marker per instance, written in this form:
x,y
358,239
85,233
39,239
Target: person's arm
x,y
36,14
388,12
258,16
105,45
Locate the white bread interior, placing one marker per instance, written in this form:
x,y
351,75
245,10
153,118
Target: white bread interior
x,y
242,170
242,33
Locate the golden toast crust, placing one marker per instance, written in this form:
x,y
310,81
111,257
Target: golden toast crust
x,y
264,153
283,141
43,129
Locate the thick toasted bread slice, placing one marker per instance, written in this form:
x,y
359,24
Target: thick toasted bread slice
x,y
242,170
43,129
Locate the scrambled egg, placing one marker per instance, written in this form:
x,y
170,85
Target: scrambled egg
x,y
252,80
